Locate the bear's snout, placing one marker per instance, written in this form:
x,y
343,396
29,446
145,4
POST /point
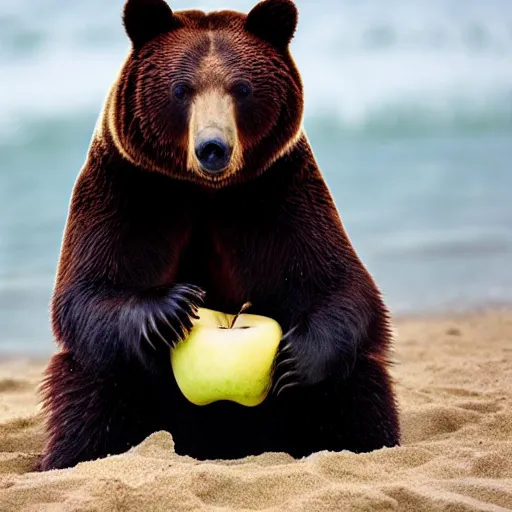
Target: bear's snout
x,y
214,148
213,154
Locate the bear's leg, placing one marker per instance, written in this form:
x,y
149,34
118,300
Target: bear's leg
x,y
358,413
90,416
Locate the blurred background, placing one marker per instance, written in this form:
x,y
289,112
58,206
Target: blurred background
x,y
408,108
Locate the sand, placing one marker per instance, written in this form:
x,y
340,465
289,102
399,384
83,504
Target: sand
x,y
454,381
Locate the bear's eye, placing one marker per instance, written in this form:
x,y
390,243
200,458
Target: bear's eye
x,y
242,90
180,92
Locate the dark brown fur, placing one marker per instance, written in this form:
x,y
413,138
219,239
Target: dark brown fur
x,y
148,240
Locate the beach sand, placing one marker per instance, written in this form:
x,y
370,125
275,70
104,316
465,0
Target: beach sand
x,y
454,383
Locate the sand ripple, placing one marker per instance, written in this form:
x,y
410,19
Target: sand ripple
x,y
454,379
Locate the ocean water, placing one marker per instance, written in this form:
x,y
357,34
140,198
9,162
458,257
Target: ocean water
x,y
409,111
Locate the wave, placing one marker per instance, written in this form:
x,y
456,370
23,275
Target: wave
x,y
75,127
415,119
368,68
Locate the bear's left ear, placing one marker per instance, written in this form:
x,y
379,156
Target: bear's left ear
x,y
274,21
143,20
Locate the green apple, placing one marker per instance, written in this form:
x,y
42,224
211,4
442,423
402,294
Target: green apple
x,y
226,357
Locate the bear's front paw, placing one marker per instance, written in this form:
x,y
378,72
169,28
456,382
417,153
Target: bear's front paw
x,y
160,319
171,319
286,369
308,357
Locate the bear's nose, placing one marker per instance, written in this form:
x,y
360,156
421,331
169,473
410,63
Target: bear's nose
x,y
213,155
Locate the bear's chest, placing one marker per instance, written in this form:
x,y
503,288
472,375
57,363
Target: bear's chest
x,y
214,258
234,260
240,248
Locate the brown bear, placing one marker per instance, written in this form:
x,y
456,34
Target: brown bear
x,y
200,188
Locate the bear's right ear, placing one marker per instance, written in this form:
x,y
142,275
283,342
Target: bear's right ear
x,y
143,20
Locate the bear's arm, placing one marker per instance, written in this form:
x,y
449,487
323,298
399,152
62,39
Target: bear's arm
x,y
115,297
320,287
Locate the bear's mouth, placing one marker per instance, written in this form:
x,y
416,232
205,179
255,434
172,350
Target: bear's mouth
x,y
215,180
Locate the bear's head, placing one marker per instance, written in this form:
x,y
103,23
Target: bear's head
x,y
210,98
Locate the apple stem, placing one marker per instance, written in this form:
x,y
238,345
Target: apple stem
x,y
246,306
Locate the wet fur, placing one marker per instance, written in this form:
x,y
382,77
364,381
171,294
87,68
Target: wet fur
x,y
147,242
